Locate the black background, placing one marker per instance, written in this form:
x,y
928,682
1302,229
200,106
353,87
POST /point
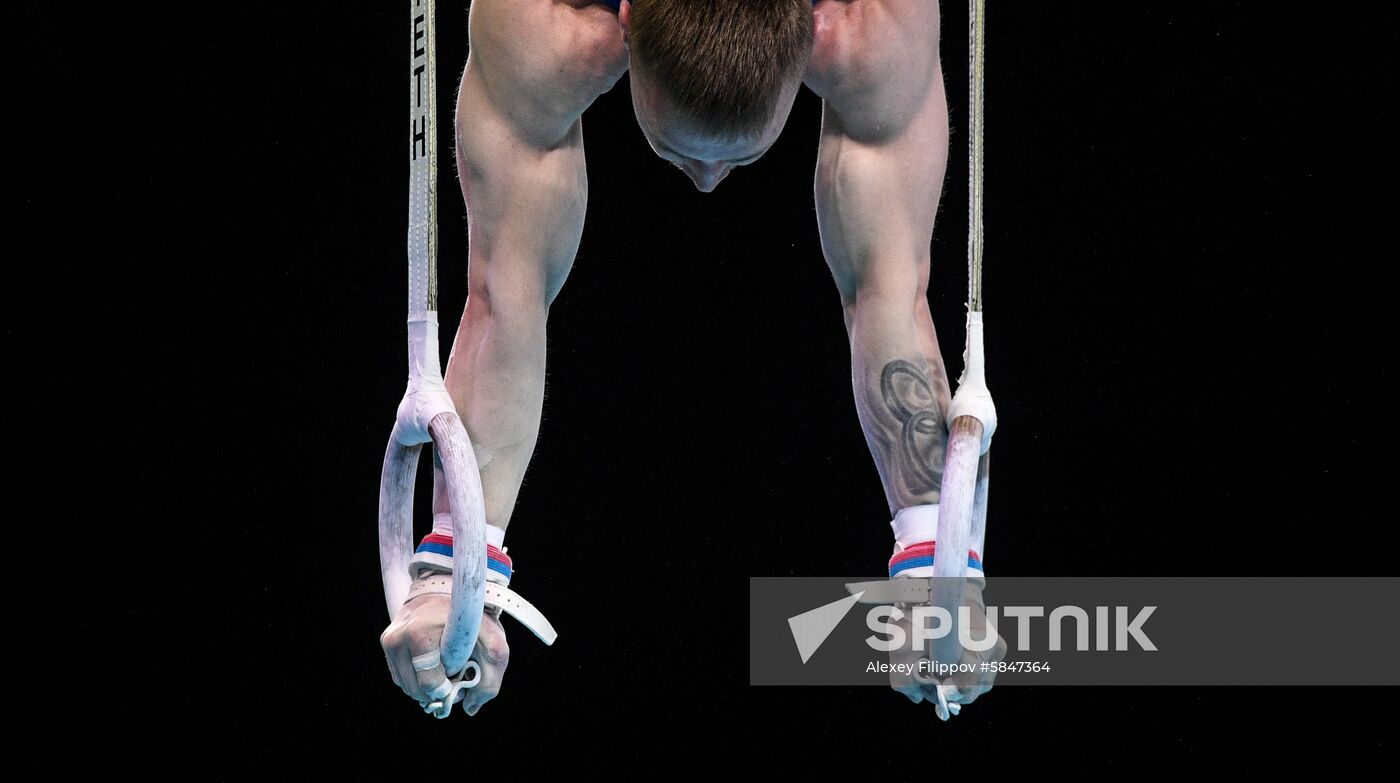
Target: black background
x,y
1188,340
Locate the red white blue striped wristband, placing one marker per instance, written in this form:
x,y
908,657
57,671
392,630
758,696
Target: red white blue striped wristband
x,y
435,552
920,555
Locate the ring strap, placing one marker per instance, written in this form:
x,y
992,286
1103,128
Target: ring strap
x,y
498,597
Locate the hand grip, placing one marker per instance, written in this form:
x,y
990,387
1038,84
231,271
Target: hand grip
x,y
396,487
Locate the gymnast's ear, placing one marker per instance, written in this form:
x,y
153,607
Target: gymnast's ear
x,y
624,17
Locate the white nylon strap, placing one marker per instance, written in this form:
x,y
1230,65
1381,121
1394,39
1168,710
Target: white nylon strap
x,y
973,398
426,395
498,597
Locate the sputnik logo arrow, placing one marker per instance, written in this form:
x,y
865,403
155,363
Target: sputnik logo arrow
x,y
811,628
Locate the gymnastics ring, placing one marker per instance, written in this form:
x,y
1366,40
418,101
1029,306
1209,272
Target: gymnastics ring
x,y
427,414
962,510
396,485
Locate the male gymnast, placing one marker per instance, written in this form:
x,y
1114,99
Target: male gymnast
x,y
712,85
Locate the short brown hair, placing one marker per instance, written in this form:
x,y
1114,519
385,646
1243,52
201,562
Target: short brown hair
x,y
722,62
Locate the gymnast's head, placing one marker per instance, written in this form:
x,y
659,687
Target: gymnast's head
x,y
713,83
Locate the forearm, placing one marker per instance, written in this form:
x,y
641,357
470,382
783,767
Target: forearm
x,y
496,378
876,203
901,392
525,206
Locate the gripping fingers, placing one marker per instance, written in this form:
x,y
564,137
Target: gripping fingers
x,y
487,687
945,698
907,685
429,678
972,684
400,660
944,695
414,660
491,656
937,695
455,690
432,678
401,665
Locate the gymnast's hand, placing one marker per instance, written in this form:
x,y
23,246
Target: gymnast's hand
x,y
417,634
965,686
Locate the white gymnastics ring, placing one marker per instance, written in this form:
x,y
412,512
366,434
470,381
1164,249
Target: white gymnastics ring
x,y
962,509
427,413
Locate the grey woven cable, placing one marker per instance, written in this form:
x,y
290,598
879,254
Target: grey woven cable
x,y
976,24
422,177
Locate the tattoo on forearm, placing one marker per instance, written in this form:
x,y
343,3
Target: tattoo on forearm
x,y
914,449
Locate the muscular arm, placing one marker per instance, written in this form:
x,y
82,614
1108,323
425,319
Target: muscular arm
x,y
534,67
884,151
883,154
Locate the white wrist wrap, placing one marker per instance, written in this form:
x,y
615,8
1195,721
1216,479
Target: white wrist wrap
x,y
915,524
435,553
442,525
916,528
